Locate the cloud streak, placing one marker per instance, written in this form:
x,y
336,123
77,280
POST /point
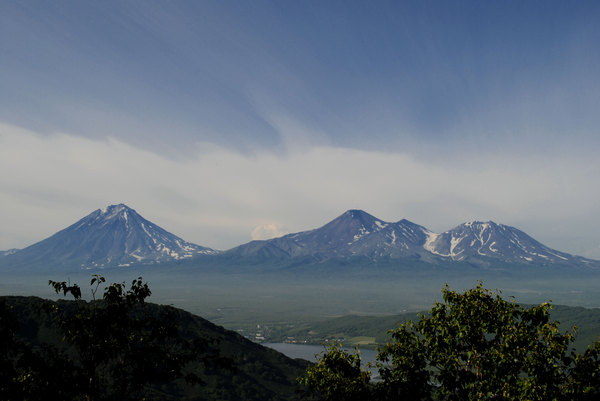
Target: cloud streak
x,y
220,197
385,76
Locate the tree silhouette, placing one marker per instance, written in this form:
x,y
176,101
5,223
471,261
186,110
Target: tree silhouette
x,y
123,345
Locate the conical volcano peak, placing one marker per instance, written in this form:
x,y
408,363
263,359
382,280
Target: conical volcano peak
x,y
479,228
358,214
361,217
113,210
477,223
354,233
112,214
118,236
113,236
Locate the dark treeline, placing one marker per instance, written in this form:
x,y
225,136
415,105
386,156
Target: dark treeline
x,y
119,347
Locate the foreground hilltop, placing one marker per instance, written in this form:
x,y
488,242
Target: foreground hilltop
x,y
253,373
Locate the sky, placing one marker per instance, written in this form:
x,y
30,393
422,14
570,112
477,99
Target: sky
x,y
227,121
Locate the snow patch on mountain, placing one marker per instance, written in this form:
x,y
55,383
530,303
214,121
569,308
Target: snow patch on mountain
x,y
430,241
380,224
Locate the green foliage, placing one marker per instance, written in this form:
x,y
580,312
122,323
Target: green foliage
x,y
8,352
473,346
28,373
338,376
476,345
585,380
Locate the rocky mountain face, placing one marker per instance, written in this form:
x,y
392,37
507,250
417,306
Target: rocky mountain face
x,y
358,234
110,237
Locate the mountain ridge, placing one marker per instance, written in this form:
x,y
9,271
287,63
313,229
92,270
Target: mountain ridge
x,y
117,236
359,234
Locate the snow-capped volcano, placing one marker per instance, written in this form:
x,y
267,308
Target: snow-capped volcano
x,y
478,241
114,236
356,233
118,236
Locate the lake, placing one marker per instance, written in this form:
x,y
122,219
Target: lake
x,y
310,352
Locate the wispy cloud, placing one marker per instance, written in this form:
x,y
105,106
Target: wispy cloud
x,y
392,76
222,198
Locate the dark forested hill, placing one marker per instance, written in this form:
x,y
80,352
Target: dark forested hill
x,y
258,373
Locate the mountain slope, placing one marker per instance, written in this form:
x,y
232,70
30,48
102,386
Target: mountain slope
x,y
118,237
110,237
486,242
354,233
357,235
8,252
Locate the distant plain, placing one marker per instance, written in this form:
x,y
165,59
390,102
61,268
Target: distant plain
x,y
282,299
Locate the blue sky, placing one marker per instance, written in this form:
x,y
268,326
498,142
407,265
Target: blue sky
x,y
223,121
